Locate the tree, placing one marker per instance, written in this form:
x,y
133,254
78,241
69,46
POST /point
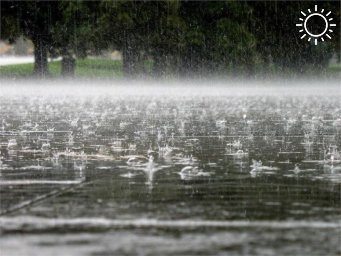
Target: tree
x,y
33,20
166,42
143,30
72,35
278,41
178,37
61,28
217,37
121,27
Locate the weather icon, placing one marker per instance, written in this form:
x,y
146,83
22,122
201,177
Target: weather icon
x,y
316,25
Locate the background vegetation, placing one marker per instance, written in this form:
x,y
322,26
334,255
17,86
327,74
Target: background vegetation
x,y
169,38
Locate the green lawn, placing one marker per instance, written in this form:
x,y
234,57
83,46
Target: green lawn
x,y
335,68
99,68
84,68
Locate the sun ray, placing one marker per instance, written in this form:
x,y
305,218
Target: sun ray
x,y
328,36
322,10
332,25
322,39
303,13
309,39
309,11
330,19
315,41
301,19
315,8
301,30
303,36
299,25
331,31
328,13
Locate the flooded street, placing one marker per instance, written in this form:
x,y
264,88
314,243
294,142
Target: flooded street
x,y
170,170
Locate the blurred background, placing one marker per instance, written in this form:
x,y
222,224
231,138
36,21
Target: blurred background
x,y
169,38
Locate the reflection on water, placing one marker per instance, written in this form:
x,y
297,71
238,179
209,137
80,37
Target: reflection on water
x,y
212,159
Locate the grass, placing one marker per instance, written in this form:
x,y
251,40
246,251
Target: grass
x,y
335,68
105,68
99,68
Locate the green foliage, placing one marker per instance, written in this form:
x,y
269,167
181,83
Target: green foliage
x,y
278,41
73,32
175,37
234,45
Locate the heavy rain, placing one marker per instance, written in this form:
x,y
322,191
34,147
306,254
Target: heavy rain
x,y
170,128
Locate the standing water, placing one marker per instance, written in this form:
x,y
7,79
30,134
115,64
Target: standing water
x,y
169,169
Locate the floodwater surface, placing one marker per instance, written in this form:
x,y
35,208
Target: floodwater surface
x,y
240,171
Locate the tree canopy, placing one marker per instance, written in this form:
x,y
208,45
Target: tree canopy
x,y
178,38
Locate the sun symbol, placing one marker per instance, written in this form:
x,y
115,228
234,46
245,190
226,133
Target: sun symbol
x,y
310,27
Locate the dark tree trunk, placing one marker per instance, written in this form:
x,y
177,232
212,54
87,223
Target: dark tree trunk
x,y
68,65
40,57
157,66
185,65
128,63
132,65
165,65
